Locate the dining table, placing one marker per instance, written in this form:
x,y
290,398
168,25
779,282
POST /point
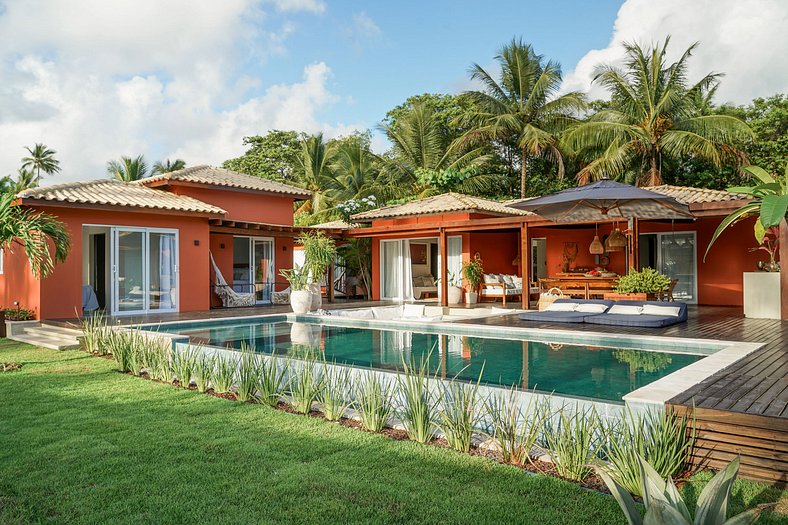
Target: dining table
x,y
580,285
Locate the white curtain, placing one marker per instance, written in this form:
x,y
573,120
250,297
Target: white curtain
x,y
167,271
407,272
397,270
454,259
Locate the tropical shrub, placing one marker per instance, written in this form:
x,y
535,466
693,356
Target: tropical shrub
x,y
319,252
420,401
334,398
473,271
514,428
19,314
646,280
306,383
272,381
662,438
575,440
460,416
664,504
372,401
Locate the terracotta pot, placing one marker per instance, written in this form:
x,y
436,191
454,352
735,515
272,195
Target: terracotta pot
x,y
301,301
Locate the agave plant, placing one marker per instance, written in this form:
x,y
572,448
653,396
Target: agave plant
x,y
272,381
306,384
515,428
664,504
460,414
224,374
335,399
372,401
183,363
420,400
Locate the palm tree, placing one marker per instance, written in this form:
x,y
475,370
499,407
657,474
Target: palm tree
x,y
420,143
40,159
33,231
522,107
168,166
315,170
356,173
128,169
656,116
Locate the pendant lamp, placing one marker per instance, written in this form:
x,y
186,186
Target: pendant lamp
x,y
616,241
596,248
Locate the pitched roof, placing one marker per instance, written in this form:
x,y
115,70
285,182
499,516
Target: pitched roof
x,y
443,203
689,195
334,225
109,192
230,179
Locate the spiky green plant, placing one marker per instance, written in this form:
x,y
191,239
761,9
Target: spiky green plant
x,y
334,398
420,400
460,414
94,334
183,363
662,438
664,504
120,345
224,374
160,367
372,401
203,372
248,375
575,441
517,428
306,383
272,381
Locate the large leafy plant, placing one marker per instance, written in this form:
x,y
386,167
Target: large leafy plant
x,y
769,202
664,504
647,280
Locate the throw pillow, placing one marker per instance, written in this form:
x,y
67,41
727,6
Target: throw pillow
x,y
653,309
561,307
625,309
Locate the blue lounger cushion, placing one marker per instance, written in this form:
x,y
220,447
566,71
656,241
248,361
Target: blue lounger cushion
x,y
565,317
643,320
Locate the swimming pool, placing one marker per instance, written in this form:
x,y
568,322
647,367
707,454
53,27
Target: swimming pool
x,y
573,365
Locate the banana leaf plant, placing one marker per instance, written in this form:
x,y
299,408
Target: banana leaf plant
x,y
769,202
665,505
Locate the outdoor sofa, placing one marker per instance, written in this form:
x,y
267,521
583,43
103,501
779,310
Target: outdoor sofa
x,y
641,314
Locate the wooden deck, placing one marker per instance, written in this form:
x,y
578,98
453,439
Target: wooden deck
x,y
742,409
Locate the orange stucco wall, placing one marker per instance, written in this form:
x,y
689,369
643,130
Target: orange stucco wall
x,y
243,206
60,294
17,283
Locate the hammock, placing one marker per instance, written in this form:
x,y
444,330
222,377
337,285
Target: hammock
x,y
229,297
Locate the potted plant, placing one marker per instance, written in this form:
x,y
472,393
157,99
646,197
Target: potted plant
x,y
319,253
640,286
473,271
300,295
15,319
455,288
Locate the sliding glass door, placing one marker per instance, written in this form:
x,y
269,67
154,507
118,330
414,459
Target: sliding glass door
x,y
144,270
675,255
253,267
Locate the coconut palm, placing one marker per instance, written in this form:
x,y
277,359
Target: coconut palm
x,y
315,170
128,169
33,231
40,159
420,143
522,107
656,115
168,166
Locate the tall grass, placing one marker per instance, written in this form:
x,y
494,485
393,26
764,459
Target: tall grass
x,y
160,367
121,344
248,374
224,374
203,371
517,428
272,381
460,414
183,364
306,384
335,398
372,401
663,439
420,400
94,334
575,439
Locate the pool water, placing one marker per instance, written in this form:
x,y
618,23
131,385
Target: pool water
x,y
577,370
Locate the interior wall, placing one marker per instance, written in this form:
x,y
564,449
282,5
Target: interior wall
x,y
497,251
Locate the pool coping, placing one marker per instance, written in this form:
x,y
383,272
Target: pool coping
x,y
657,392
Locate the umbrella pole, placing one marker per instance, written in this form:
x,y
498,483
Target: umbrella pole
x,y
633,246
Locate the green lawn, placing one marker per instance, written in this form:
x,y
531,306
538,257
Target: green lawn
x,y
81,443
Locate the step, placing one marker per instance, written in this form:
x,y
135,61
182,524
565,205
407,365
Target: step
x,y
46,342
54,331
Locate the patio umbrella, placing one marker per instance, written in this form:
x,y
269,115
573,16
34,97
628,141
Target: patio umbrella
x,y
605,199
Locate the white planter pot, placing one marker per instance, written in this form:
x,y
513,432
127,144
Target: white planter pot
x,y
301,301
762,295
455,295
317,297
471,297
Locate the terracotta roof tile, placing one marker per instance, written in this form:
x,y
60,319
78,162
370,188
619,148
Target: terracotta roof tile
x,y
689,195
443,203
227,178
109,192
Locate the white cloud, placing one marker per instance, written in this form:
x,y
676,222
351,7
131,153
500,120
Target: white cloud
x,y
165,79
362,31
744,40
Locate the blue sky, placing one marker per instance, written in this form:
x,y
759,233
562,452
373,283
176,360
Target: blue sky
x,y
98,79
